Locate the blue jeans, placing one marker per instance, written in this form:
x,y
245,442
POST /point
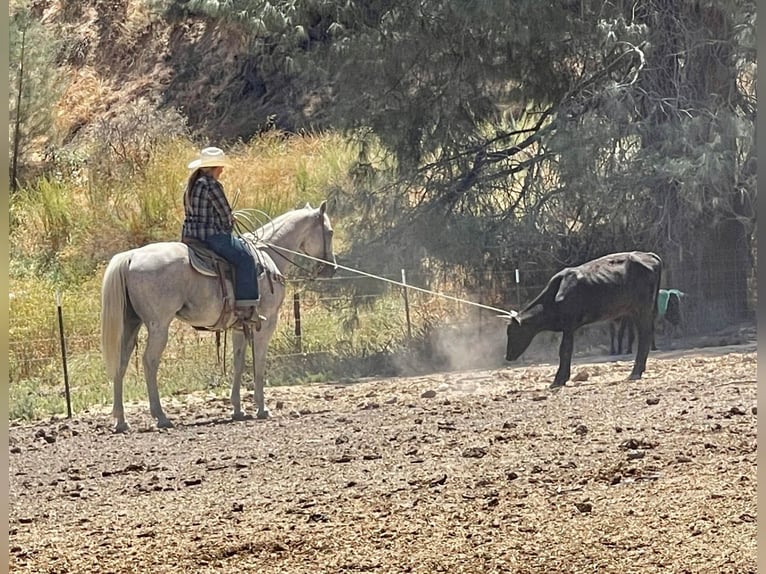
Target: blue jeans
x,y
234,250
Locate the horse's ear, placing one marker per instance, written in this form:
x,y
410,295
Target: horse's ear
x,y
323,207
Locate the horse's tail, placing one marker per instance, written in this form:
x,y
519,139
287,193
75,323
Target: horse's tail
x,y
113,302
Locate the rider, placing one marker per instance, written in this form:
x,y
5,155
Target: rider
x,y
209,219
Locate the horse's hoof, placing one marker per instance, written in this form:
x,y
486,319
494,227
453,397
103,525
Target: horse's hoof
x,y
556,385
121,427
240,416
262,415
164,424
634,377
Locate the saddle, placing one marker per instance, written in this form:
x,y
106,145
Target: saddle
x,y
205,261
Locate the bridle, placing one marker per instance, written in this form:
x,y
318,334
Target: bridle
x,y
318,268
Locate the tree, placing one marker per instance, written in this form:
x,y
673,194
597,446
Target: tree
x,y
564,130
556,131
35,84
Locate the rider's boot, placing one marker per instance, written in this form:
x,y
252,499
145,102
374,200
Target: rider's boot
x,y
246,310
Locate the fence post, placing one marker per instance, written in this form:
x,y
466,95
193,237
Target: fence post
x,y
406,304
63,356
297,315
518,291
481,298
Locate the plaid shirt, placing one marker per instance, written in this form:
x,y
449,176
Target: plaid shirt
x,y
207,210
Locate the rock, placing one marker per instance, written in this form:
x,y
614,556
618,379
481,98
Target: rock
x,y
581,430
652,401
584,507
474,452
438,480
636,454
429,394
581,376
342,458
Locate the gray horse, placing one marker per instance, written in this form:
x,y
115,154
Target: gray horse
x,y
155,284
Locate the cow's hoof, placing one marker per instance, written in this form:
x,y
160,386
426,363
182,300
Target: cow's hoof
x,y
240,416
634,377
121,427
557,385
263,414
164,424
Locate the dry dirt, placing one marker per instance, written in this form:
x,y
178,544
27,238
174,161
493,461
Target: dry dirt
x,y
474,471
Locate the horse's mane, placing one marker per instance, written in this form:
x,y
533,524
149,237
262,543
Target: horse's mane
x,y
270,229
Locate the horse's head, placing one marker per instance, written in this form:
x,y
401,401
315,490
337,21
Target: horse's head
x,y
318,242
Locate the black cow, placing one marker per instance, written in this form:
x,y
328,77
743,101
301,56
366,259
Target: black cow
x,y
669,317
612,286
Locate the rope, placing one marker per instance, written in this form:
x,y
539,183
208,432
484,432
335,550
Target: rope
x,y
503,312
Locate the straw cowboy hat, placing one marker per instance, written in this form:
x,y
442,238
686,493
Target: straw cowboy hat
x,y
210,157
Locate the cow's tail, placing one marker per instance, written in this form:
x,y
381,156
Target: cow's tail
x,y
113,304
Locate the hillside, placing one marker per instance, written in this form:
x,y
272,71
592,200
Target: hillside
x,y
122,53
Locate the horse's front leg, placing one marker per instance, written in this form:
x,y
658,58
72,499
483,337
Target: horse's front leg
x,y
239,344
260,345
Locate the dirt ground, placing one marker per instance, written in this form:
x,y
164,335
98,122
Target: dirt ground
x,y
473,471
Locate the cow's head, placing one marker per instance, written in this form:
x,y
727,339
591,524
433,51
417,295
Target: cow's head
x,y
519,337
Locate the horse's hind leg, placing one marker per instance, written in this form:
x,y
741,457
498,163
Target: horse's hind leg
x,y
128,345
156,341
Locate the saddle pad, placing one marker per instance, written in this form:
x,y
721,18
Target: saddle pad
x,y
203,260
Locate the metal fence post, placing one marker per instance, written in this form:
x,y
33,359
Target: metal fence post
x,y
297,315
63,356
406,304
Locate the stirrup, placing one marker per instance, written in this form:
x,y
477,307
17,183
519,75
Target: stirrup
x,y
248,315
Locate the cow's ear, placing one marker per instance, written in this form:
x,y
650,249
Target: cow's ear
x,y
566,285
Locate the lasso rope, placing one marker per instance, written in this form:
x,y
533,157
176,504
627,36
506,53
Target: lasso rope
x,y
248,220
505,313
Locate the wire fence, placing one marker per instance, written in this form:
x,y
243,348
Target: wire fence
x,y
321,321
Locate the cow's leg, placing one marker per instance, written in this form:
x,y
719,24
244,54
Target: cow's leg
x,y
613,347
645,338
565,359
